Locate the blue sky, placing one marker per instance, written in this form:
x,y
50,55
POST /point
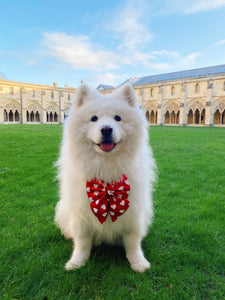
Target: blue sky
x,y
43,41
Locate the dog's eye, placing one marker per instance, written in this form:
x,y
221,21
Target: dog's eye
x,y
94,119
117,118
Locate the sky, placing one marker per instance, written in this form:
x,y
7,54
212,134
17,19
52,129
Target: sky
x,y
107,42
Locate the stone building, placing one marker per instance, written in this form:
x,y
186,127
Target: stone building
x,y
193,97
25,103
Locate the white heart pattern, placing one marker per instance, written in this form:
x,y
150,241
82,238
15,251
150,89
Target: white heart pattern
x,y
122,203
122,211
95,210
113,206
103,206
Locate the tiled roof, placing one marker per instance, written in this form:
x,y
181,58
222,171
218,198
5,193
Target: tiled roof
x,y
196,73
104,87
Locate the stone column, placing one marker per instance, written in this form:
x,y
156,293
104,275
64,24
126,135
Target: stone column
x,y
185,105
158,114
1,115
43,111
162,106
21,105
182,112
209,121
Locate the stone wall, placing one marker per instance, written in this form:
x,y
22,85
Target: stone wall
x,y
25,103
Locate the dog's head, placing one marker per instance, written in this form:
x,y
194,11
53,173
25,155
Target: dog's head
x,y
107,123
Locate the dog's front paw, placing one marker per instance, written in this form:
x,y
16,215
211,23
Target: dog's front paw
x,y
71,265
141,266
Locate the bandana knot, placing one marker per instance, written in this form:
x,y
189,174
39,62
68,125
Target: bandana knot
x,y
108,198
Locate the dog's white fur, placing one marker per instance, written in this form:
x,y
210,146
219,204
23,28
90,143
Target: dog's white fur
x,y
82,159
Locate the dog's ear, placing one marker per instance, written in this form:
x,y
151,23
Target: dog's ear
x,y
82,95
129,94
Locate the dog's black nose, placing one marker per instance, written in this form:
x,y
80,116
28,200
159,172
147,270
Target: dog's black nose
x,y
106,131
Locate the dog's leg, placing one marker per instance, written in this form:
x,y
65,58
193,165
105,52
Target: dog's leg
x,y
81,252
134,253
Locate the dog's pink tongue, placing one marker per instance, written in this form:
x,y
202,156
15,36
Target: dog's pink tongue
x,y
106,147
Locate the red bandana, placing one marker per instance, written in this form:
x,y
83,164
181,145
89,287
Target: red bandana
x,y
108,198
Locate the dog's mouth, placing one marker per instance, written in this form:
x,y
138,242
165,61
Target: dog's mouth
x,y
107,146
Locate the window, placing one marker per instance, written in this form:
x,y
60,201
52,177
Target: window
x,y
197,88
151,92
11,91
33,93
68,97
224,86
172,90
52,95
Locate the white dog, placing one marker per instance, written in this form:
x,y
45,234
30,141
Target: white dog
x,y
106,174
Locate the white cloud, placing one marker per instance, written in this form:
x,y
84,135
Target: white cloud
x,y
130,29
222,42
78,51
106,78
191,6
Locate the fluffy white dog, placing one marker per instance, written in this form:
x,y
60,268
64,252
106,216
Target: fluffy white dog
x,y
106,172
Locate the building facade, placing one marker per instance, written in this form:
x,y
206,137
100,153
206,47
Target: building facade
x,y
194,97
24,103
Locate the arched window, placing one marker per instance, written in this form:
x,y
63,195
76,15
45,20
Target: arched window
x,y
203,117
197,117
172,90
28,116
197,88
190,117
52,95
216,120
173,117
152,117
55,117
167,117
51,117
11,91
10,116
37,116
223,118
68,97
5,116
33,93
17,116
47,118
151,92
32,116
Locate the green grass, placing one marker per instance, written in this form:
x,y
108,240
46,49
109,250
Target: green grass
x,y
186,243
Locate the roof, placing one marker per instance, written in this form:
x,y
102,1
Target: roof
x,y
196,73
104,87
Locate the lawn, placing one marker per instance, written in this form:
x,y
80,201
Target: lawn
x,y
186,243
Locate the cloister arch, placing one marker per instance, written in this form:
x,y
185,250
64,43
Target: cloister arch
x,y
151,113
52,114
11,112
66,112
219,112
196,112
33,112
172,113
